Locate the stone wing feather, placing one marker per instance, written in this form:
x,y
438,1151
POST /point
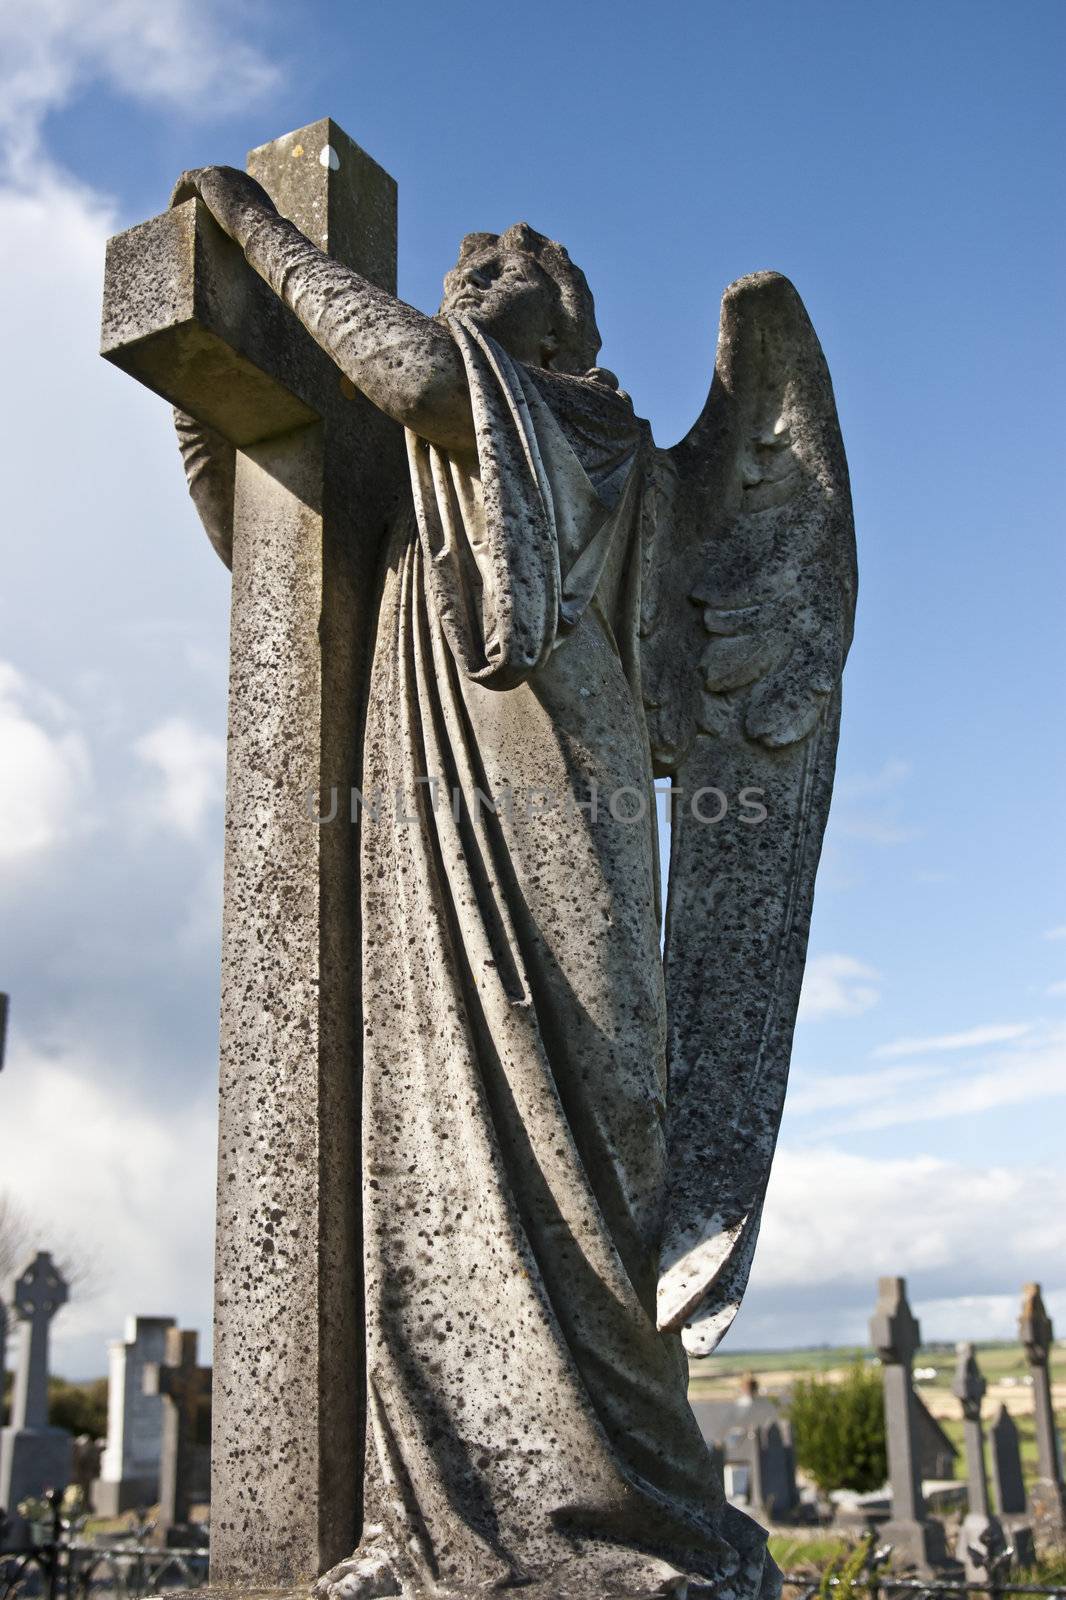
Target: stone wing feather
x,y
747,610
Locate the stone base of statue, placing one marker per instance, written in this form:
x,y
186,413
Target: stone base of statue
x,y
33,1460
921,1545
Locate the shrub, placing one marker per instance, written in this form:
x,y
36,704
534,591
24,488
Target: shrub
x,y
81,1407
838,1430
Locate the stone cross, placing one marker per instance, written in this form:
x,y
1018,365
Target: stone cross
x,y
969,1389
1007,1465
36,1295
1048,1496
894,1334
316,470
33,1456
980,1535
185,1388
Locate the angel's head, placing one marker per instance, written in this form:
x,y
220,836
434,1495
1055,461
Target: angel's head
x,y
525,291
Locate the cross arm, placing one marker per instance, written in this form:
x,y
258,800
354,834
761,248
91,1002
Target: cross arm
x,y
185,315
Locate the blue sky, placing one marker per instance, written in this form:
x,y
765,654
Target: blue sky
x,y
901,163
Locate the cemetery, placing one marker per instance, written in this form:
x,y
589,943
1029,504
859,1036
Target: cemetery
x,y
144,1522
504,872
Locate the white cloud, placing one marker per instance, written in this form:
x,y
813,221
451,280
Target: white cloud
x,y
187,52
190,766
837,986
835,1222
833,1215
968,1039
1056,933
127,1183
1033,1070
1056,989
809,1093
45,771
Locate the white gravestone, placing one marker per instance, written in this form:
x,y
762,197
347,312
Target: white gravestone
x,y
129,1469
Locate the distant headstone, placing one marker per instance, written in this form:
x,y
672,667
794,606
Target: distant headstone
x,y
33,1456
778,1495
1047,1499
1007,1465
87,1453
894,1334
185,1462
129,1469
1009,1486
980,1534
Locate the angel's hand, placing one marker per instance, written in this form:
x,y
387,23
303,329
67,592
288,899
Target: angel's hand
x,y
235,200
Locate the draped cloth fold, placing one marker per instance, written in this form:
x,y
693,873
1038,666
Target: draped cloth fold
x,y
528,1426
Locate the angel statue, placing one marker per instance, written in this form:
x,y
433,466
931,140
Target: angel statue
x,y
567,1133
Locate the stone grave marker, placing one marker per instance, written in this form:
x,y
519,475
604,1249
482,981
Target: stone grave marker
x,y
184,1468
1047,1498
129,1468
33,1456
315,470
894,1334
980,1532
1007,1465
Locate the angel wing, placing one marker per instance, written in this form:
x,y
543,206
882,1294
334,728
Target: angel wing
x,y
747,609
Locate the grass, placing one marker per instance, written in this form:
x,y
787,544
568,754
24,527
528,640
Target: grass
x,y
793,1553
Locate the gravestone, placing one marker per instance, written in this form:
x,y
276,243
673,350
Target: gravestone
x,y
1009,1484
33,1456
980,1533
894,1334
1007,1465
315,472
1047,1499
129,1468
184,1389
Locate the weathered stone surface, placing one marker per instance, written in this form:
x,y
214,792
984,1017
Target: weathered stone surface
x,y
33,1455
129,1467
746,616
302,509
529,1420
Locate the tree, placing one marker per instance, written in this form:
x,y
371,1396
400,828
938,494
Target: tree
x,y
838,1430
81,1407
20,1240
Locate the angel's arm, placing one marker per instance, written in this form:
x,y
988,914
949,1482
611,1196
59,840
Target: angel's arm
x,y
404,362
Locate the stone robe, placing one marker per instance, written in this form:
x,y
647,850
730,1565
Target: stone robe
x,y
527,1422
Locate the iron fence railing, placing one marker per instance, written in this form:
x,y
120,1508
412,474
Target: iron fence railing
x,y
56,1563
